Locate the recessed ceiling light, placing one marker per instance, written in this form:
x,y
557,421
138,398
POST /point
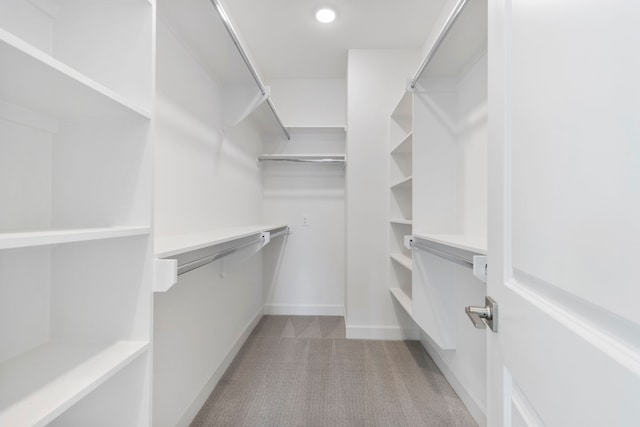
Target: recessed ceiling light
x,y
325,15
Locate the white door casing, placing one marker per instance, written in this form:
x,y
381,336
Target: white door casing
x,y
564,212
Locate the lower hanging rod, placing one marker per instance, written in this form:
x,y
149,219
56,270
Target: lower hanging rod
x,y
302,159
448,256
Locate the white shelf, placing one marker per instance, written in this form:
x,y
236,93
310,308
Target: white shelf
x,y
54,88
474,244
403,299
403,183
402,221
304,158
30,238
403,107
405,146
403,260
41,384
169,246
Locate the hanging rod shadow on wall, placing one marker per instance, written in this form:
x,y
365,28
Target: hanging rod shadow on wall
x,y
455,13
252,69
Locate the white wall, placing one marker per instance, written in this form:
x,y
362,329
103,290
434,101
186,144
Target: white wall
x,y
306,275
205,178
376,81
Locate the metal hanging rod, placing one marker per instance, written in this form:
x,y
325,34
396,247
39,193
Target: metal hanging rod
x,y
448,256
455,13
252,69
192,265
302,159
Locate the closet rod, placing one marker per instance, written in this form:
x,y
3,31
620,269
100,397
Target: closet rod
x,y
457,10
450,257
232,33
309,159
192,265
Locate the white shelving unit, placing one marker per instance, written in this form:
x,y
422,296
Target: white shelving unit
x,y
450,138
400,185
75,246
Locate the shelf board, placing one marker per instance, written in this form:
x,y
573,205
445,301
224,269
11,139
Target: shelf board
x,y
404,106
469,243
29,238
405,146
403,260
403,183
170,246
55,89
403,299
402,221
304,158
41,384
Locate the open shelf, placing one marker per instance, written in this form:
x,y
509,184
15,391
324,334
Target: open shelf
x,y
474,244
403,107
170,246
41,384
24,239
401,221
54,88
403,260
403,183
403,299
405,146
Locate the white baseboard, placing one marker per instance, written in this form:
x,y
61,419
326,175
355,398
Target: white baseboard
x,y
478,412
304,310
358,332
196,405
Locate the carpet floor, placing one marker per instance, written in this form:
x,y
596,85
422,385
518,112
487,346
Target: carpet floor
x,y
301,371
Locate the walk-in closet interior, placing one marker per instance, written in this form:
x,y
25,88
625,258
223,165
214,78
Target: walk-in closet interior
x,y
164,189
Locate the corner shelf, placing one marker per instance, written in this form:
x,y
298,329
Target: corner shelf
x,y
41,384
403,183
32,238
401,221
54,88
405,146
402,260
403,299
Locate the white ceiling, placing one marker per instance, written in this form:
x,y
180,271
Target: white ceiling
x,y
285,41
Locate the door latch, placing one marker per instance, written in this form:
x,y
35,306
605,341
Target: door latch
x,y
483,316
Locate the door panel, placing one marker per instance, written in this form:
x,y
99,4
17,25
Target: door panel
x,y
564,203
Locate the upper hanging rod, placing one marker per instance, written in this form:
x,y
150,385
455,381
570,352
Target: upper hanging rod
x,y
457,10
302,158
232,33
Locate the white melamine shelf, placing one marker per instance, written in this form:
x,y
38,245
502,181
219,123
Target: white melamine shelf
x,y
402,221
39,385
474,244
405,146
28,238
403,107
318,130
403,183
403,260
166,247
54,88
403,299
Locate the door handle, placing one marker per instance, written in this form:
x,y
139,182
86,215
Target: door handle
x,y
483,316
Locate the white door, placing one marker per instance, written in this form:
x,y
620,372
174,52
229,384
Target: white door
x,y
564,208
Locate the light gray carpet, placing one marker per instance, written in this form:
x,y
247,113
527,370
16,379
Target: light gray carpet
x,y
301,371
